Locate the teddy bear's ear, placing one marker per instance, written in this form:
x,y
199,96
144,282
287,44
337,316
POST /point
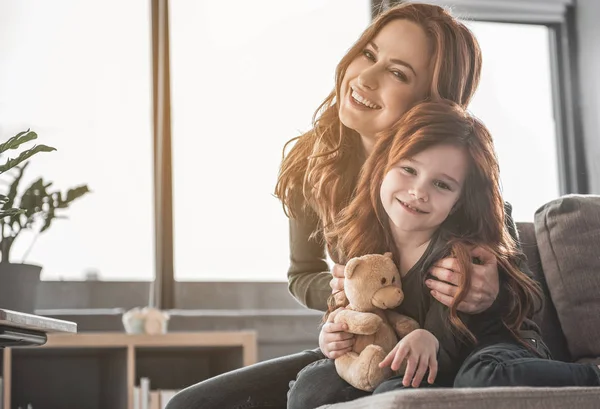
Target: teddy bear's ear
x,y
351,266
389,255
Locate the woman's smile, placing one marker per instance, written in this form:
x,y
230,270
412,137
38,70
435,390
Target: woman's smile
x,y
358,99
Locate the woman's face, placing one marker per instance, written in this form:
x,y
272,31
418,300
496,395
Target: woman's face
x,y
384,81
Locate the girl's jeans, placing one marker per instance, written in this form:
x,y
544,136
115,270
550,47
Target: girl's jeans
x,y
509,364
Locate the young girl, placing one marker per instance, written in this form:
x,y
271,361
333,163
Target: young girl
x,y
429,190
409,53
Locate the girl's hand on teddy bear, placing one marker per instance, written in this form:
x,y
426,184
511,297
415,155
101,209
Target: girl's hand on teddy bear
x,y
419,349
334,341
337,281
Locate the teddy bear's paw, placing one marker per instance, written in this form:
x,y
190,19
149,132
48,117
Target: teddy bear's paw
x,y
372,356
346,360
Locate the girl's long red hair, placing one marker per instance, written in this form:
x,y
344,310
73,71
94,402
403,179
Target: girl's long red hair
x,y
477,220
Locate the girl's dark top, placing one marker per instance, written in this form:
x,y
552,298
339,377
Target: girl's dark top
x,y
309,282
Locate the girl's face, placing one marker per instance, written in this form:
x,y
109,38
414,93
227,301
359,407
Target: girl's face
x,y
419,193
388,78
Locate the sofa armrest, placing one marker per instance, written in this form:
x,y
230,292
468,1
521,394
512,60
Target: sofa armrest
x,y
477,398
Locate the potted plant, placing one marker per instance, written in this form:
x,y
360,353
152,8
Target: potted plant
x,y
34,209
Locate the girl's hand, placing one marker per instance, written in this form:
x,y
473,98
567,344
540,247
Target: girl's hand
x,y
337,282
419,349
333,340
484,282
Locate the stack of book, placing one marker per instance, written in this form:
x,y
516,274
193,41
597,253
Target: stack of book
x,y
146,398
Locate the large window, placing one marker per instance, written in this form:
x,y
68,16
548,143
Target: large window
x,y
243,83
79,74
514,100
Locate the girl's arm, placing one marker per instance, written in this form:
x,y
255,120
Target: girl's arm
x,y
453,349
308,274
415,355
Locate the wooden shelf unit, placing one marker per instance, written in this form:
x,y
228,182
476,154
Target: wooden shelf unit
x,y
103,368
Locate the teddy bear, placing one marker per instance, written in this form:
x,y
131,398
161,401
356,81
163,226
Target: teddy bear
x,y
372,287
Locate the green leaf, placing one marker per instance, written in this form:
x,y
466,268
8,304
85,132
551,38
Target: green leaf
x,y
34,197
11,163
48,221
10,212
12,192
72,195
18,140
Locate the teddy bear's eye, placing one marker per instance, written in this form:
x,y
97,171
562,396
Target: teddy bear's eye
x,y
383,281
393,280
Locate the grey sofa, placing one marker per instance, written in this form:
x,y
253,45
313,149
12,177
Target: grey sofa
x,y
563,251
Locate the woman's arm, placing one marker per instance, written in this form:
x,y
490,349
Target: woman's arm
x,y
308,274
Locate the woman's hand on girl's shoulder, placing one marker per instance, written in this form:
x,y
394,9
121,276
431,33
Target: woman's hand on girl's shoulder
x,y
334,341
484,287
419,349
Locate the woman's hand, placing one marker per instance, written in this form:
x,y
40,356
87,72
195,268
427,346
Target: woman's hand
x,y
337,282
484,283
419,349
333,340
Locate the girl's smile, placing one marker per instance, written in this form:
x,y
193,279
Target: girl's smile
x,y
411,208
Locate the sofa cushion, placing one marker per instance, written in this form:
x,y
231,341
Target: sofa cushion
x,y
546,317
477,398
568,236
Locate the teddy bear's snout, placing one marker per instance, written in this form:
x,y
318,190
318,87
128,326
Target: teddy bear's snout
x,y
388,297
